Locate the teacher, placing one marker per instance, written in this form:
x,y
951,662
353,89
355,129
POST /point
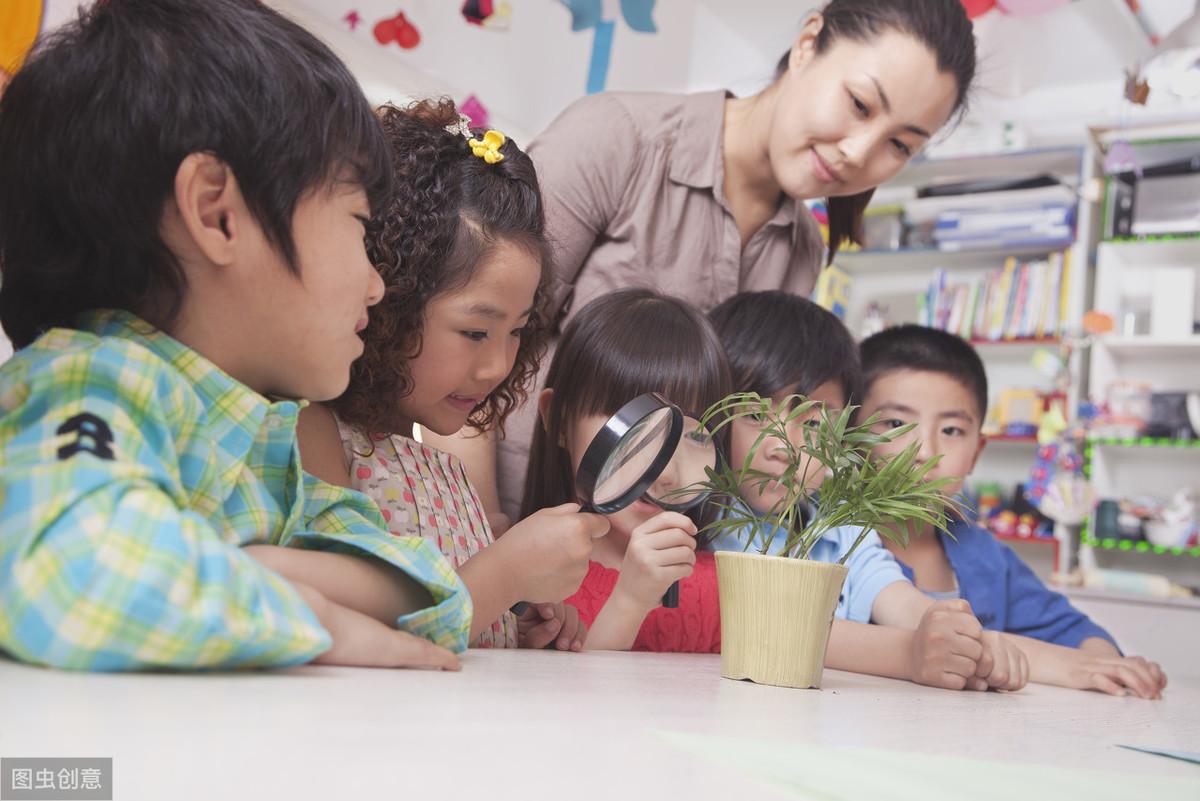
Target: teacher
x,y
702,196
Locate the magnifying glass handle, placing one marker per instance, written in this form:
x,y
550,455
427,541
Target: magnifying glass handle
x,y
671,597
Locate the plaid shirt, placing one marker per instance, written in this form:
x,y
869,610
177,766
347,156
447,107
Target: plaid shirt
x,y
131,470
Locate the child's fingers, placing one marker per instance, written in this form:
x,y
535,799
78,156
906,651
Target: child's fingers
x,y
542,634
962,645
985,664
960,666
1107,685
678,556
669,520
669,538
1136,680
411,651
976,684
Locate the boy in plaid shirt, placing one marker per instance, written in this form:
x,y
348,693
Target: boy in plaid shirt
x,y
186,185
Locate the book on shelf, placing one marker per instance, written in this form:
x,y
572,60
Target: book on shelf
x,y
1021,300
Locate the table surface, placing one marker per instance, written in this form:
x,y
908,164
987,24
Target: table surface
x,y
534,724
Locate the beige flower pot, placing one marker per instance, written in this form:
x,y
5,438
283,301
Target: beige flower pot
x,y
775,617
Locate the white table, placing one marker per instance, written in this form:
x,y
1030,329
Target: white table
x,y
532,724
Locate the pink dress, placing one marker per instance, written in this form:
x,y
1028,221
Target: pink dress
x,y
423,492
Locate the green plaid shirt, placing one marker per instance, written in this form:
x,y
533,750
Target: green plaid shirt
x,y
131,470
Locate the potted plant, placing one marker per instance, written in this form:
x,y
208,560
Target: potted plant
x,y
757,641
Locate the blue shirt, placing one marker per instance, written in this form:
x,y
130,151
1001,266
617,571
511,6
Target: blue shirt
x,y
870,568
1006,595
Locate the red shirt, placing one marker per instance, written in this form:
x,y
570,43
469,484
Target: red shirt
x,y
694,627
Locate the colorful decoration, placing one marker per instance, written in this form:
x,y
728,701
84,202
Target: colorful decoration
x,y
488,14
585,14
476,112
399,30
352,19
20,23
488,148
977,8
833,290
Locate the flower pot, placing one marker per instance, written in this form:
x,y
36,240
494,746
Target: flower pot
x,y
775,617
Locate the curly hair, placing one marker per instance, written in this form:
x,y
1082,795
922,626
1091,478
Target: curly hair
x,y
449,210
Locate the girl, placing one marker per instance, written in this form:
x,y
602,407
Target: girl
x,y
636,341
620,346
454,342
703,195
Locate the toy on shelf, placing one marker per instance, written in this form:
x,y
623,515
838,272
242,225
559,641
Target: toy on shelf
x,y
1012,519
1023,413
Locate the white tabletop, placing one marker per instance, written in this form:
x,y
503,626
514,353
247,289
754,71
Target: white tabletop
x,y
533,724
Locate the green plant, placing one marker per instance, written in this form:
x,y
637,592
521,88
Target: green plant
x,y
880,494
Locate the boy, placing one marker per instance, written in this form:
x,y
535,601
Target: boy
x,y
936,380
186,184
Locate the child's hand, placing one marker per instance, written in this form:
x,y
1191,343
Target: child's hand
x,y
1118,675
1003,666
552,548
540,624
947,647
661,551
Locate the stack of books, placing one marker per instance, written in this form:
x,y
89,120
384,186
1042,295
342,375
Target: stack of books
x,y
1023,300
1027,218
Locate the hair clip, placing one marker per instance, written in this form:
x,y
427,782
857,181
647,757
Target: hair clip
x,y
461,128
488,148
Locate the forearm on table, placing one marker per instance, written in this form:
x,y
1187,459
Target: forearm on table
x,y
364,584
900,604
1099,646
490,577
1049,663
617,625
868,648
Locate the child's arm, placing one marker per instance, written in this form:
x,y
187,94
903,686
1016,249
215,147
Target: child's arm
x,y
103,564
1081,670
661,551
541,559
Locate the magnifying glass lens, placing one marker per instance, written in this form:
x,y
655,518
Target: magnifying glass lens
x,y
633,456
678,487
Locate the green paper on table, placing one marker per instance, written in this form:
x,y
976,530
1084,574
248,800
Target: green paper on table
x,y
1186,756
822,773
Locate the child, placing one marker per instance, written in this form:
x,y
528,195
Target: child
x,y
181,219
937,381
456,340
620,346
780,345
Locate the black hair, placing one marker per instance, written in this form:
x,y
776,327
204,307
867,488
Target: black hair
x,y
617,347
776,341
915,347
94,126
941,25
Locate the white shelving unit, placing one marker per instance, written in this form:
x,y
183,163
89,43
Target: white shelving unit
x,y
895,278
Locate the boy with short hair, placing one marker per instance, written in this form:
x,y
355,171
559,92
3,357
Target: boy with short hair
x,y
936,380
186,185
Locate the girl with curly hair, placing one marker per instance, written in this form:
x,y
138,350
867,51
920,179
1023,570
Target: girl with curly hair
x,y
455,341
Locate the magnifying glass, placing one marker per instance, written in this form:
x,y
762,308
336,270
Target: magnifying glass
x,y
647,450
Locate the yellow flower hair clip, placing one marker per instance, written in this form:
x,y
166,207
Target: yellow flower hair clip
x,y
488,148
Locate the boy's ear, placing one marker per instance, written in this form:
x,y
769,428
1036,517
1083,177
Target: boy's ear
x,y
209,204
983,441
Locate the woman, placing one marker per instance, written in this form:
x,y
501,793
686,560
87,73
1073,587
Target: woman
x,y
701,196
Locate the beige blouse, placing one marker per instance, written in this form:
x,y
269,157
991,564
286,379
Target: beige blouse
x,y
423,492
633,190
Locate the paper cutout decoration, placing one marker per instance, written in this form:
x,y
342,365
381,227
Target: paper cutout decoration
x,y
977,8
352,19
476,112
399,30
20,23
585,14
488,14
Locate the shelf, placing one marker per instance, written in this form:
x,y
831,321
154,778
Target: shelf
x,y
1087,594
1147,347
1140,546
1056,161
1154,252
1014,440
1014,538
1144,442
929,258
